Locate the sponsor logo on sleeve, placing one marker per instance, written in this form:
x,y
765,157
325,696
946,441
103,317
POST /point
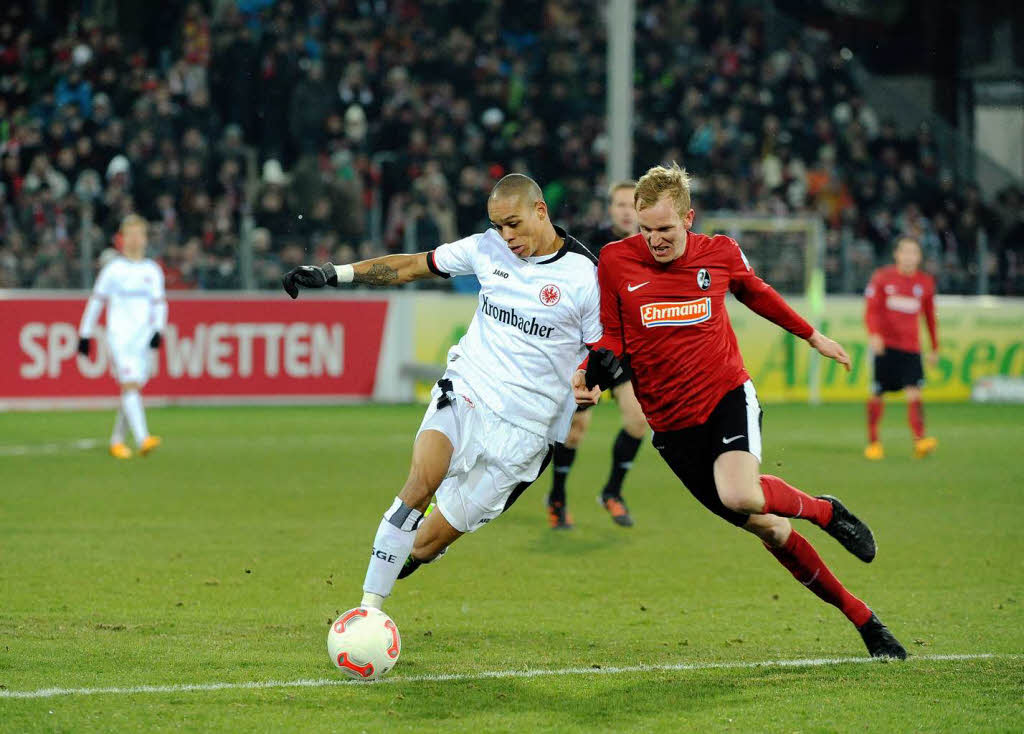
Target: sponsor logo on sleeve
x,y
676,313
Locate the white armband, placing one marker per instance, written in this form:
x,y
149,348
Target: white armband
x,y
346,273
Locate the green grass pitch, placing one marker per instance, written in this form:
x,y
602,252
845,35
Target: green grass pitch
x,y
222,558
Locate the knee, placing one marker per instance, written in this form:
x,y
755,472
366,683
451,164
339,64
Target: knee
x,y
635,426
740,498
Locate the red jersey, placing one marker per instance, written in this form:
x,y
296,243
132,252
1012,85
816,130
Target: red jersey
x,y
670,319
894,302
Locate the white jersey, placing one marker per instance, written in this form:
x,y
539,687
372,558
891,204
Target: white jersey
x,y
133,291
527,336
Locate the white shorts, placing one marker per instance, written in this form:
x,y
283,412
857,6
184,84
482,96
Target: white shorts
x,y
130,365
493,461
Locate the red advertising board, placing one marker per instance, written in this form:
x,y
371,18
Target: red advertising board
x,y
214,347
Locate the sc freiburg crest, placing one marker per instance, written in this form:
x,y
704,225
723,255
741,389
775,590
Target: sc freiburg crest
x,y
703,279
550,295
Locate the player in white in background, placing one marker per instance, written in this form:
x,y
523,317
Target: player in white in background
x,y
505,397
132,288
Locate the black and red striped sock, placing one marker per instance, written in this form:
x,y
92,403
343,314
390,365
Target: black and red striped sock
x,y
786,500
801,560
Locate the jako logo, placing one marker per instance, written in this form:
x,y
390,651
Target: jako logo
x,y
676,313
500,273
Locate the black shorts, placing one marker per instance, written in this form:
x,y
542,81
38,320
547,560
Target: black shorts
x,y
734,425
626,376
895,370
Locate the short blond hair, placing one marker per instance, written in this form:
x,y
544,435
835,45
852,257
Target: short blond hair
x,y
133,220
659,181
626,183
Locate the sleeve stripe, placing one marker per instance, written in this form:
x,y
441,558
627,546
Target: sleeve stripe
x,y
433,266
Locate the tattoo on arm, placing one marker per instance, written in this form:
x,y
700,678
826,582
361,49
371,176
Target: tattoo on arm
x,y
378,274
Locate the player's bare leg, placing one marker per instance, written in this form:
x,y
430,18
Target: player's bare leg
x,y
923,445
562,459
742,488
434,536
396,534
627,443
131,404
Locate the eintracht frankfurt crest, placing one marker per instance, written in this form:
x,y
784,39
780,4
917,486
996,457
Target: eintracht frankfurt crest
x,y
549,295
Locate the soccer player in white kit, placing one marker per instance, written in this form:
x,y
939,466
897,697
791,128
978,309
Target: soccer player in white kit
x,y
505,396
131,286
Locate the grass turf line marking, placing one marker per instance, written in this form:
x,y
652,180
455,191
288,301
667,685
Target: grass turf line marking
x,y
80,444
442,677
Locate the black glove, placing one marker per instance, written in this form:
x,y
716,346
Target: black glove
x,y
308,276
84,343
156,341
603,368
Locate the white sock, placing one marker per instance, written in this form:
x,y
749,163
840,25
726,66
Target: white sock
x,y
391,546
118,434
131,403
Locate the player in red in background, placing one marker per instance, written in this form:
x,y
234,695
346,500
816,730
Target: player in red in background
x,y
663,304
896,296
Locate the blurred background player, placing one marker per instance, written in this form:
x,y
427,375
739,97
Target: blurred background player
x,y
895,297
663,304
504,398
622,218
131,286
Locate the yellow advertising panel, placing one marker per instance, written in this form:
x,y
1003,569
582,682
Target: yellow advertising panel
x,y
978,337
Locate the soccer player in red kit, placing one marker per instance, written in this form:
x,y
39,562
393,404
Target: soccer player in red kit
x,y
896,296
663,305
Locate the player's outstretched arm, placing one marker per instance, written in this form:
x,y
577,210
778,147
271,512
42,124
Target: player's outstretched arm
x,y
829,348
387,270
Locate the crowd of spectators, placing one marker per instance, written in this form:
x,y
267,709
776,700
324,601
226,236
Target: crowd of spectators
x,y
303,127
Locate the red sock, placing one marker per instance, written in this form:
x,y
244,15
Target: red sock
x,y
876,406
800,558
915,416
788,501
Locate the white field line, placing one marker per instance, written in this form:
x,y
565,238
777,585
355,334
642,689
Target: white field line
x,y
444,677
79,444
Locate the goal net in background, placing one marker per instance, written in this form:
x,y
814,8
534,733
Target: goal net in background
x,y
789,253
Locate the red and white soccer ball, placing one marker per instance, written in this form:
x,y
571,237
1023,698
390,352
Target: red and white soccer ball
x,y
364,643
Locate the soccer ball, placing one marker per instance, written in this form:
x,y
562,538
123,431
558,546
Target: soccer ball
x,y
364,643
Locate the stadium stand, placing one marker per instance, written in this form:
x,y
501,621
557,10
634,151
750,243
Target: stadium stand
x,y
331,130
